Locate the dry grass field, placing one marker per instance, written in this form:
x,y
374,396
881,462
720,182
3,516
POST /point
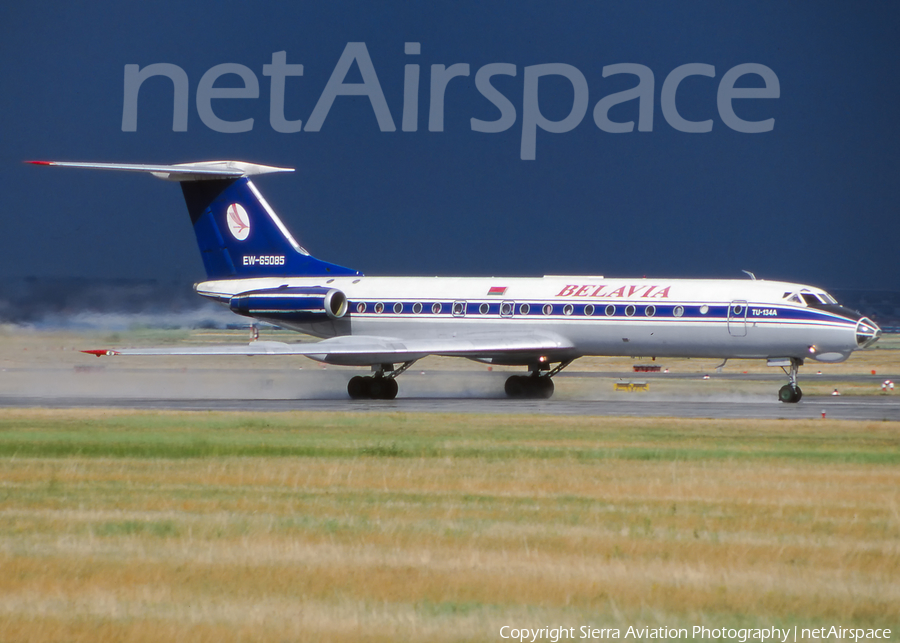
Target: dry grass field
x,y
163,526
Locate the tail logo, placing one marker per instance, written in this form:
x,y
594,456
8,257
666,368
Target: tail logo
x,y
238,221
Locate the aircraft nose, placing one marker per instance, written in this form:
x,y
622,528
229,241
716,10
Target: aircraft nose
x,y
867,332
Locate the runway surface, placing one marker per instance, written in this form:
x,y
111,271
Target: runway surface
x,y
723,395
844,408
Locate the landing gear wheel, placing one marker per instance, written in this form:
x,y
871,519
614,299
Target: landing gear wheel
x,y
543,388
381,385
377,388
515,386
358,387
529,386
790,394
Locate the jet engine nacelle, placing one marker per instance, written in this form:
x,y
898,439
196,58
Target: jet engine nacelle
x,y
291,304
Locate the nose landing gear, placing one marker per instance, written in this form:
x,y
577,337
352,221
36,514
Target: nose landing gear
x,y
791,393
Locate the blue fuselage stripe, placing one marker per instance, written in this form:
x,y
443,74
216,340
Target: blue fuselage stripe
x,y
535,310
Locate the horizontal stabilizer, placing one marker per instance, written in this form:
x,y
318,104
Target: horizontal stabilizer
x,y
200,171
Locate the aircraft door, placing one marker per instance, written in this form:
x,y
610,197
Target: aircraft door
x,y
737,318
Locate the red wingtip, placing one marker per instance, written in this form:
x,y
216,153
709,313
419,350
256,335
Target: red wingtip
x,y
40,162
100,352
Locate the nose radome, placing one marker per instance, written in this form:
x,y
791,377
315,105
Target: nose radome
x,y
867,332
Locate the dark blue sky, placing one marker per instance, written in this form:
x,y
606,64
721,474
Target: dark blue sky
x,y
813,200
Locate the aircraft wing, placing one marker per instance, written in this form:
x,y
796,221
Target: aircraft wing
x,y
364,350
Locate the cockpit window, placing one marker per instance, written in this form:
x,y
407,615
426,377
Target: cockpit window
x,y
817,298
810,298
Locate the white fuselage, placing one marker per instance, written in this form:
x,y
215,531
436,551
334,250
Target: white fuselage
x,y
598,316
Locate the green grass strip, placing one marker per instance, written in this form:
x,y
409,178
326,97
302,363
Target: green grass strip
x,y
341,435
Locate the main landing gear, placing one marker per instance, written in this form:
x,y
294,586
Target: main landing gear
x,y
380,386
536,385
376,387
791,393
530,386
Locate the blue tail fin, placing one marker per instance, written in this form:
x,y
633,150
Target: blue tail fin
x,y
238,232
241,236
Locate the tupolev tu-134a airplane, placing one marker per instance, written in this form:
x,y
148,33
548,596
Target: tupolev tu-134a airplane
x,y
257,268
